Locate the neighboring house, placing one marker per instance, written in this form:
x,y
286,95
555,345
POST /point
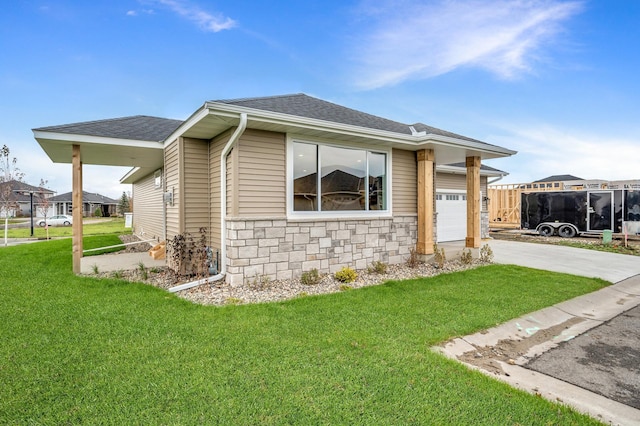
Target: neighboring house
x,y
21,195
285,184
63,203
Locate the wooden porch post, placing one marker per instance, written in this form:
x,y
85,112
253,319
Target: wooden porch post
x,y
473,202
76,198
424,244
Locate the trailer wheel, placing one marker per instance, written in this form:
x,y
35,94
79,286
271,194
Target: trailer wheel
x,y
545,230
567,231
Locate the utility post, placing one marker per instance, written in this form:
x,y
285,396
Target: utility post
x,y
31,202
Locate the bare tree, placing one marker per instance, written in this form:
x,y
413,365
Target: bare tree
x,y
9,173
43,203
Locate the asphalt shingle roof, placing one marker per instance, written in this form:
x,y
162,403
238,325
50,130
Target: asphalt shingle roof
x,y
559,178
23,187
137,127
146,128
302,105
87,197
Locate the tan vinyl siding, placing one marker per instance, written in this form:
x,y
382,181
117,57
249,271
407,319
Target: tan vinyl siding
x,y
172,184
215,151
147,209
196,185
261,174
232,182
451,181
405,184
446,181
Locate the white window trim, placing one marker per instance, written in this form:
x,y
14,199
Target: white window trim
x,y
324,215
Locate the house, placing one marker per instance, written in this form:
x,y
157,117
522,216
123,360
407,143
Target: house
x,y
285,184
63,203
21,195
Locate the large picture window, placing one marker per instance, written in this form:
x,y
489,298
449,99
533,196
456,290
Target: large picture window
x,y
329,178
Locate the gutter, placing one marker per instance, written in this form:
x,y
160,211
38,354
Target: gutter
x,y
499,178
417,139
223,209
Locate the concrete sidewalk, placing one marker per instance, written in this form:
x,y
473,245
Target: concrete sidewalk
x,y
502,351
118,262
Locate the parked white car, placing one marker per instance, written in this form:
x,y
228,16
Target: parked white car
x,y
59,220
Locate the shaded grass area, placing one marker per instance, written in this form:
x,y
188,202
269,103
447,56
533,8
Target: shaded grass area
x,y
79,350
104,226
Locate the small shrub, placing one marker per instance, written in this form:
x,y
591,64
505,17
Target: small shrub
x,y
143,271
232,301
346,275
466,257
94,268
412,260
311,277
344,287
486,254
117,274
260,282
377,267
439,257
98,212
155,270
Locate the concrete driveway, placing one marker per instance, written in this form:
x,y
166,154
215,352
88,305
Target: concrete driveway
x,y
586,263
535,352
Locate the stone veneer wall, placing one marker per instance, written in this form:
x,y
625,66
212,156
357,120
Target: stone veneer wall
x,y
484,225
284,249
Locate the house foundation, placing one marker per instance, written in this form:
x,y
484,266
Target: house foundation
x,y
279,249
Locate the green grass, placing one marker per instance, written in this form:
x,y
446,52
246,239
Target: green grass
x,y
79,350
614,247
105,226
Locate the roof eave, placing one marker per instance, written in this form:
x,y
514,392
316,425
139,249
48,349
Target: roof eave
x,y
445,168
416,141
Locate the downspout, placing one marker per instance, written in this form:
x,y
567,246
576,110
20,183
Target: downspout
x,y
223,189
223,208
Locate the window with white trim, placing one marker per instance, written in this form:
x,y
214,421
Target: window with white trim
x,y
329,178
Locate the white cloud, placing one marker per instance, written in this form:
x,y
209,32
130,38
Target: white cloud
x,y
132,13
205,20
416,40
546,150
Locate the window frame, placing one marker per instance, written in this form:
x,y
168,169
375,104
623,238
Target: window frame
x,y
335,214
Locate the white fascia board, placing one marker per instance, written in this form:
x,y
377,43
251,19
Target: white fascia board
x,y
99,140
130,173
314,124
198,115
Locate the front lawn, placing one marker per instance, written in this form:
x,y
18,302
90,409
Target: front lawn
x,y
96,227
78,350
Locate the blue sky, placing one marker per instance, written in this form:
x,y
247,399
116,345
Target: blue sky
x,y
558,81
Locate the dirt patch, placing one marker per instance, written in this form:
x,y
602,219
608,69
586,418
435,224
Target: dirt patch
x,y
509,350
133,248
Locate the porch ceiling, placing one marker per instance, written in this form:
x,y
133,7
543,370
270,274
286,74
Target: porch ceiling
x,y
101,150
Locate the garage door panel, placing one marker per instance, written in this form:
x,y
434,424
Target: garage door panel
x,y
452,216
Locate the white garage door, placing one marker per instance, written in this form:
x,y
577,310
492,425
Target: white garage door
x,y
452,216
